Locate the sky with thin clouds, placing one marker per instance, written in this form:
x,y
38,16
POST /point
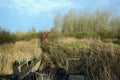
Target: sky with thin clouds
x,y
22,15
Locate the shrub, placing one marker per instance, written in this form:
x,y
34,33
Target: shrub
x,y
54,35
107,34
26,36
6,36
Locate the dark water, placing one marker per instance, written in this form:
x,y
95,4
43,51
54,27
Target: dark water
x,y
61,76
9,77
30,76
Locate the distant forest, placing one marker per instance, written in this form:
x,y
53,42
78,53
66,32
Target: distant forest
x,y
102,24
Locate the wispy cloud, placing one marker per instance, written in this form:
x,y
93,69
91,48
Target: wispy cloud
x,y
31,7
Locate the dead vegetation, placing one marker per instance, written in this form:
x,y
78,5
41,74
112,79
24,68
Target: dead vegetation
x,y
17,51
104,58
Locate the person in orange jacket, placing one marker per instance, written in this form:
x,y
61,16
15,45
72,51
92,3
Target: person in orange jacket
x,y
44,38
43,41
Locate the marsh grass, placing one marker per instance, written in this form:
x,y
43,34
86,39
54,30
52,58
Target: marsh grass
x,y
104,58
17,51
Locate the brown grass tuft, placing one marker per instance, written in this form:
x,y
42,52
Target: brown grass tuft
x,y
18,51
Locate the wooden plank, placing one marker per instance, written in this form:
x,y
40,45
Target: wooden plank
x,y
27,70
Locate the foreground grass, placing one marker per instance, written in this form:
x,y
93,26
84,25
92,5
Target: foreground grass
x,y
104,58
17,51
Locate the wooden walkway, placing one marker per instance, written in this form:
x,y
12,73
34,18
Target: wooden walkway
x,y
27,68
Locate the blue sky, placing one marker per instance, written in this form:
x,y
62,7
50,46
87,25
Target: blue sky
x,y
22,15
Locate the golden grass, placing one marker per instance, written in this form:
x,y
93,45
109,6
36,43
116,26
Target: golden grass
x,y
66,40
18,51
104,58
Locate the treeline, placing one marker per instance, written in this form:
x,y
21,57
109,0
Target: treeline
x,y
100,23
26,36
8,37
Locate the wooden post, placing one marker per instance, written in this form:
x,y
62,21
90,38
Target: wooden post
x,y
19,67
27,59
